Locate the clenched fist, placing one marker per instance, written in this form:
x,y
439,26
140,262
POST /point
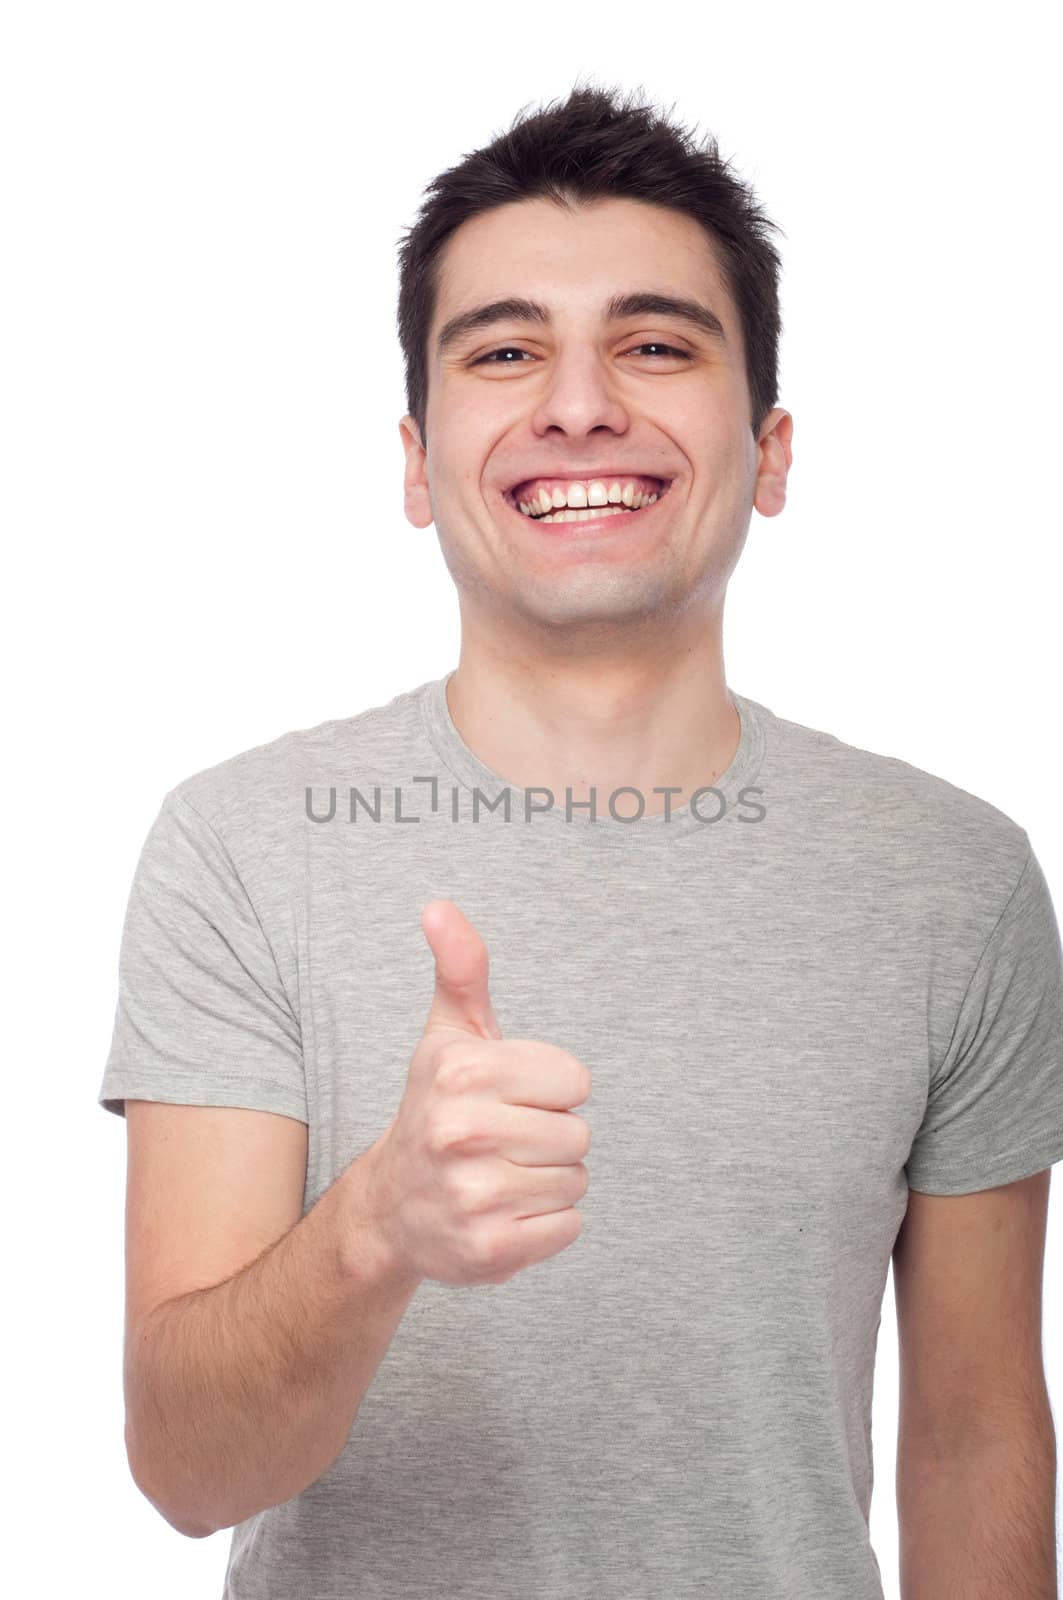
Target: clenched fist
x,y
478,1174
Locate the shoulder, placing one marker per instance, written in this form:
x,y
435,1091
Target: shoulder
x,y
893,825
259,793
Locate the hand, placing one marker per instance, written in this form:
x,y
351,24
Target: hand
x,y
478,1173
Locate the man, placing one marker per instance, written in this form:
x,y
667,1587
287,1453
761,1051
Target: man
x,y
809,997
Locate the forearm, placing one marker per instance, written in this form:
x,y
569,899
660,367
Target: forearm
x,y
980,1523
241,1395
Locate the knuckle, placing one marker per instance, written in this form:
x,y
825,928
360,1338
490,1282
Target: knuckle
x,y
453,1135
443,1135
482,1253
488,1251
455,1069
475,1194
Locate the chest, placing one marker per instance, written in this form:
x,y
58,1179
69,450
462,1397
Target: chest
x,y
742,1028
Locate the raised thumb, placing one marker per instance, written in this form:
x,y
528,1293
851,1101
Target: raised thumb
x,y
461,998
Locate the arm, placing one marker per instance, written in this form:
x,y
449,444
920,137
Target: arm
x,y
976,1456
980,1523
241,1395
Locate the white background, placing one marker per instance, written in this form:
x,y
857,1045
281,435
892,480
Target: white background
x,y
206,547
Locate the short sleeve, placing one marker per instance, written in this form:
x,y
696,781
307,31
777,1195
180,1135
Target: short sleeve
x,y
202,1016
995,1108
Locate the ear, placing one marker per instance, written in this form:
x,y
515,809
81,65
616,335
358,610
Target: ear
x,y
776,458
416,502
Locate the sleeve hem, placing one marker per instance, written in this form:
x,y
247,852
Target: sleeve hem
x,y
957,1178
222,1089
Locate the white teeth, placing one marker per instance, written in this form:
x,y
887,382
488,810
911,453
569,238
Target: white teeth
x,y
577,515
578,496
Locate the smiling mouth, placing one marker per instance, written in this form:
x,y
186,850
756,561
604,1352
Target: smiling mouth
x,y
576,520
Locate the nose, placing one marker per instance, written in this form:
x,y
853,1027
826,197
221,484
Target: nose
x,y
580,397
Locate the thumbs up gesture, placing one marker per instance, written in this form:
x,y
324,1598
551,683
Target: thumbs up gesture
x,y
479,1171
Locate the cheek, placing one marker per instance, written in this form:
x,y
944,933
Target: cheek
x,y
462,452
466,417
726,460
702,427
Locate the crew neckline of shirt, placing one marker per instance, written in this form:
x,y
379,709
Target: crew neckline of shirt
x,y
472,773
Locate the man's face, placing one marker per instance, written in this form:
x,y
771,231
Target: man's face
x,y
586,397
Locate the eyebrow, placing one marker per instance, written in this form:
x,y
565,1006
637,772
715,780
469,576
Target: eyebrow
x,y
620,307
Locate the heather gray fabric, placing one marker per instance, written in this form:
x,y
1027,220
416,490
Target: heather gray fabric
x,y
850,982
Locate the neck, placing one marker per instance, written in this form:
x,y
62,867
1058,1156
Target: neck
x,y
648,719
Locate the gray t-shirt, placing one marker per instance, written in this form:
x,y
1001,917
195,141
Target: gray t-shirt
x,y
849,983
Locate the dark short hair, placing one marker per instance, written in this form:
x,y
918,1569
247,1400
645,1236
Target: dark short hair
x,y
600,144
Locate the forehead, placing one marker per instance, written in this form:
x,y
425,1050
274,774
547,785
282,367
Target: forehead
x,y
574,260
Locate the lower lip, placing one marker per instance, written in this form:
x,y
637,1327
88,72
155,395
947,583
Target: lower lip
x,y
593,527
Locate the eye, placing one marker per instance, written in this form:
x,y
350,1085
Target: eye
x,y
655,344
504,350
